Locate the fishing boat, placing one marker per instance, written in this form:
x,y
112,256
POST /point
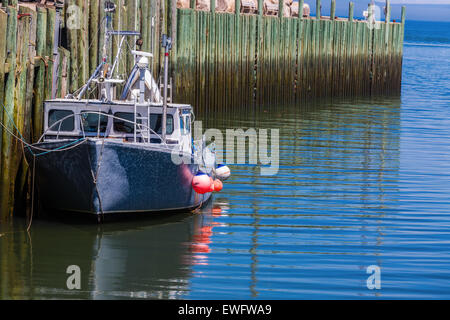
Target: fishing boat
x,y
125,155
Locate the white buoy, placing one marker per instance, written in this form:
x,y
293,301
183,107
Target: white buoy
x,y
222,172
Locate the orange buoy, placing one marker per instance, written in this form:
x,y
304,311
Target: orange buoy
x,y
211,189
201,183
218,185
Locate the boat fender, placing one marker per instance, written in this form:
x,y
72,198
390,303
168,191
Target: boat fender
x,y
218,185
222,172
201,183
211,187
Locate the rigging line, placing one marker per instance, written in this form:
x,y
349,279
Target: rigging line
x,y
14,124
42,149
65,147
23,154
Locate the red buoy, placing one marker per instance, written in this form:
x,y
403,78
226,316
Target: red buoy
x,y
201,183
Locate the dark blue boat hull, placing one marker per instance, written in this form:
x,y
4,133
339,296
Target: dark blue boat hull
x,y
114,177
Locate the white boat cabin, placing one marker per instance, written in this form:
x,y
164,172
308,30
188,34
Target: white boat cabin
x,y
123,121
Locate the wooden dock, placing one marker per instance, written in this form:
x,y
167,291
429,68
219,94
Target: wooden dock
x,y
227,60
219,61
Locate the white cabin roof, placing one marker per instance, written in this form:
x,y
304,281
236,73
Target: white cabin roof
x,y
84,102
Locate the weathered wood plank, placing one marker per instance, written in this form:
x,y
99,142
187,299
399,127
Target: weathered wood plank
x,y
6,185
93,37
51,14
72,23
3,26
41,65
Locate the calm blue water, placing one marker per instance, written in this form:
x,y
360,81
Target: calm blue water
x,y
361,182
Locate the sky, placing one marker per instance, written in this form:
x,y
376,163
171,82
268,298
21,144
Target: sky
x,y
427,10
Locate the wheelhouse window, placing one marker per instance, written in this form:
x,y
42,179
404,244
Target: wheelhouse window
x,y
156,123
182,124
94,122
188,124
57,115
185,124
120,125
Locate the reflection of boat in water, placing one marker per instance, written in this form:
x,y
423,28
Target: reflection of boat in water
x,y
145,258
148,262
107,155
153,257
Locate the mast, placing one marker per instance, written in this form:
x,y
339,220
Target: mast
x,y
109,8
103,66
167,45
103,74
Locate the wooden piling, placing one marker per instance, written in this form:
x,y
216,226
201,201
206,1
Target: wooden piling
x,y
49,41
333,10
350,11
83,45
63,73
25,95
3,26
8,115
72,23
7,183
41,65
94,25
387,18
318,9
23,33
101,32
403,20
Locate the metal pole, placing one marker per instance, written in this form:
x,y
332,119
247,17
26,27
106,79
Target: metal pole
x,y
142,85
167,45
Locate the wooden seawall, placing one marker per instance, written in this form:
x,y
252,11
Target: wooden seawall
x,y
228,60
219,61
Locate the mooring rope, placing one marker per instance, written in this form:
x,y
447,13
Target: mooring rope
x,y
65,147
32,192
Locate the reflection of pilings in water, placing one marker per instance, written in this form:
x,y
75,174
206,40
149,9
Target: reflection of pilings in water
x,y
253,251
16,264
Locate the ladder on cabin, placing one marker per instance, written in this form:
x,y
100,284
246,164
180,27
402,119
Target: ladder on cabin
x,y
142,129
